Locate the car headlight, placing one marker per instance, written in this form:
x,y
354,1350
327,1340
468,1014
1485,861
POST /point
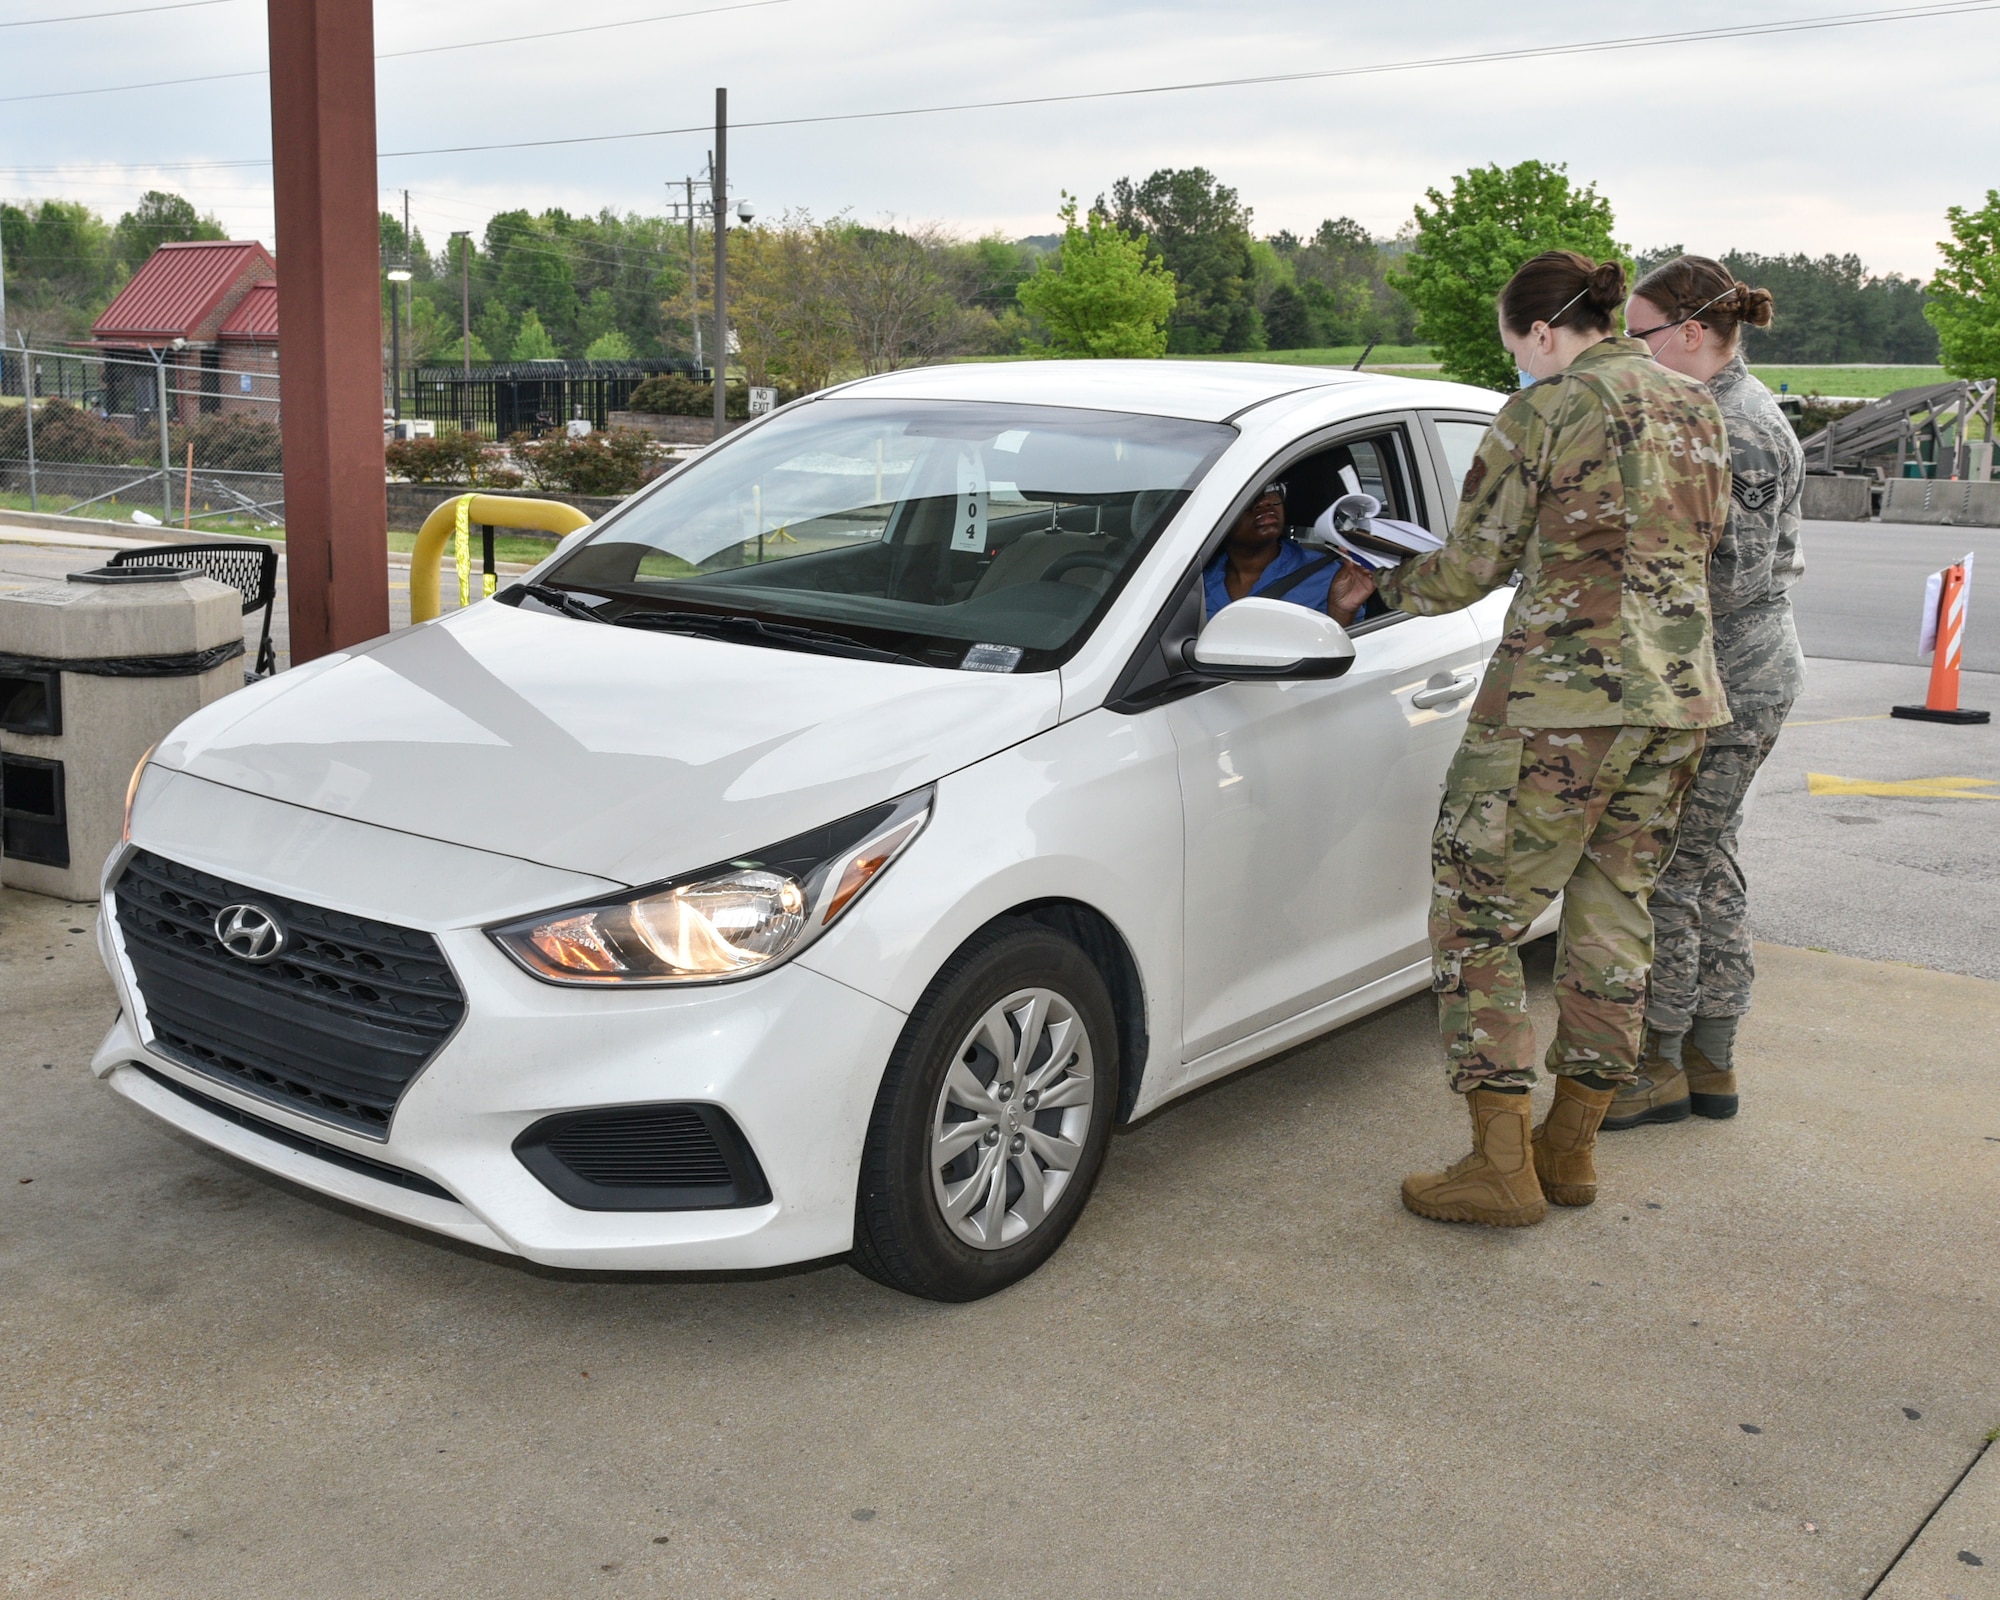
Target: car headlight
x,y
725,921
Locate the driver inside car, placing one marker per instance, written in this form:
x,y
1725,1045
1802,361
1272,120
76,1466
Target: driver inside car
x,y
1259,558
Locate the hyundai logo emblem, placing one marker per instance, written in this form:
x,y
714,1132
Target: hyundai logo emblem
x,y
250,933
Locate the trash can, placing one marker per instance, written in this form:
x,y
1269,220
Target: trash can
x,y
93,673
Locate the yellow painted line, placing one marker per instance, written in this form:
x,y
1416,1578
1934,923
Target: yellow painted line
x,y
1902,788
1822,722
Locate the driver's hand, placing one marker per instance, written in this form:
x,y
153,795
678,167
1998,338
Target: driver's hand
x,y
1352,585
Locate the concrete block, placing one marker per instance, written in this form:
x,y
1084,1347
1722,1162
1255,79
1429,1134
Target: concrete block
x,y
1947,502
69,786
1830,499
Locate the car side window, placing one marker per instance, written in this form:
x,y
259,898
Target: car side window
x,y
1378,458
1458,438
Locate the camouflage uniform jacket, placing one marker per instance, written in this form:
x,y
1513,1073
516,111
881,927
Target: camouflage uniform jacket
x,y
1758,560
1607,487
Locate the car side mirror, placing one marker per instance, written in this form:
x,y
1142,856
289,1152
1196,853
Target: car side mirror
x,y
1265,640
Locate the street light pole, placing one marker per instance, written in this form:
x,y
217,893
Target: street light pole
x,y
398,276
719,193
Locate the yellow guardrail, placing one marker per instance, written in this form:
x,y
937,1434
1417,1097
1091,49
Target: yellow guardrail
x,y
455,519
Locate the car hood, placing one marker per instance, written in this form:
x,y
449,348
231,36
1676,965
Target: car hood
x,y
604,750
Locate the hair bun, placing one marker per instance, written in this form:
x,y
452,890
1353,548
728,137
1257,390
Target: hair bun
x,y
1753,306
1607,286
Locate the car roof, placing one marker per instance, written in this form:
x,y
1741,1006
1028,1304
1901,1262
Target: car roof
x,y
1203,391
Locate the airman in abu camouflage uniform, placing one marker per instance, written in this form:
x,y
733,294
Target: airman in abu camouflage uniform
x,y
1604,485
1691,311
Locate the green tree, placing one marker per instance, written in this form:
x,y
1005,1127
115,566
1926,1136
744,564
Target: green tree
x,y
1288,320
608,346
532,341
61,270
1829,308
1200,230
530,259
159,219
1964,303
1099,295
1468,244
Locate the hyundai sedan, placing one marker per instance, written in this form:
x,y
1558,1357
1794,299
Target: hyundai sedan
x,y
824,851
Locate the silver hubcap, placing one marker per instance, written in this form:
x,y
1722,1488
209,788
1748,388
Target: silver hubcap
x,y
1011,1119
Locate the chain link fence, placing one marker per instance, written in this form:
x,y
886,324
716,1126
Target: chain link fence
x,y
175,438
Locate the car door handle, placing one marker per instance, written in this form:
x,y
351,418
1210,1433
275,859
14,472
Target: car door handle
x,y
1443,690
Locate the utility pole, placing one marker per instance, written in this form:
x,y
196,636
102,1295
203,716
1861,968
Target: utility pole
x,y
694,278
719,193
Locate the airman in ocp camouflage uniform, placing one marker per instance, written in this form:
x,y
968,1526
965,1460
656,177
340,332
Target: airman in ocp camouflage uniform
x,y
1605,486
1702,964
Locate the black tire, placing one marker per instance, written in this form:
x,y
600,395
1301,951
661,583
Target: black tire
x,y
901,1235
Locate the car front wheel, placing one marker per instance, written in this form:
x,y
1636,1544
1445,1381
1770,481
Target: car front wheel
x,y
992,1118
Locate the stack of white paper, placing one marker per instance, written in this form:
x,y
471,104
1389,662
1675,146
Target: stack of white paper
x,y
1354,525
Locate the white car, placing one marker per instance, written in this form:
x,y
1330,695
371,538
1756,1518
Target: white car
x,y
822,852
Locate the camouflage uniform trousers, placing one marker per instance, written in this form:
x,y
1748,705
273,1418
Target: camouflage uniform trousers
x,y
1702,964
1529,814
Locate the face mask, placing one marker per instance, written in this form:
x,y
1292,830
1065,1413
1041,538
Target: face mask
x,y
1524,377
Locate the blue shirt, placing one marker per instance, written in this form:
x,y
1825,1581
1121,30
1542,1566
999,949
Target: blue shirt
x,y
1291,556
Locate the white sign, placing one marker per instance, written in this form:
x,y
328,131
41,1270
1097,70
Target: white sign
x,y
762,401
577,427
1927,630
968,531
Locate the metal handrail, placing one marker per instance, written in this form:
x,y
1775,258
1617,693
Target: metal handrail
x,y
487,511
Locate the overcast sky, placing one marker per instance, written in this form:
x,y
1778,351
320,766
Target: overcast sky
x,y
1848,139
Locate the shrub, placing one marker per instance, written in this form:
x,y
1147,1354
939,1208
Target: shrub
x,y
231,442
617,462
1818,413
64,432
675,394
449,458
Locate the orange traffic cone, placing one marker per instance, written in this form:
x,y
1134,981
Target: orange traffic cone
x,y
1941,704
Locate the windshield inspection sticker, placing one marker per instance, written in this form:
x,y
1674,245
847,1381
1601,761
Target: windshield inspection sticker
x,y
969,531
991,658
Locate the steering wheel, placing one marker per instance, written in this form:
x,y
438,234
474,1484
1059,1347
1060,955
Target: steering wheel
x,y
1077,561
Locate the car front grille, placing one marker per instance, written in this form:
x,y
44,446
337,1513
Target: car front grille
x,y
644,1158
336,1026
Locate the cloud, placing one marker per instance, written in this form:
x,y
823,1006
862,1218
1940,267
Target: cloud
x,y
1799,142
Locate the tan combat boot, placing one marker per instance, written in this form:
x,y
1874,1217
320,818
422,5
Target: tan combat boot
x,y
1660,1095
1496,1183
1711,1092
1565,1139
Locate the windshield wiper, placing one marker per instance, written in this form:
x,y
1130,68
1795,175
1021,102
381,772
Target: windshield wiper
x,y
552,597
753,630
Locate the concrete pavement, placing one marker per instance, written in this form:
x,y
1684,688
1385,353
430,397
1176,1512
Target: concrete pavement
x,y
1753,1368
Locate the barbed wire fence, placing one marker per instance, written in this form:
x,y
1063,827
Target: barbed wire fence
x,y
181,439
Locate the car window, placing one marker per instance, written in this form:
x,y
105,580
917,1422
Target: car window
x,y
960,533
1460,440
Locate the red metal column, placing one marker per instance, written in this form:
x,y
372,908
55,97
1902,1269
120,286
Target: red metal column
x,y
330,321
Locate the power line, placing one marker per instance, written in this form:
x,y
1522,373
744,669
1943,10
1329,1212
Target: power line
x,y
387,55
1950,8
93,16
1947,8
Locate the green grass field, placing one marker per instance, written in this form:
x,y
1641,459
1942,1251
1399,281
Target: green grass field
x,y
1856,383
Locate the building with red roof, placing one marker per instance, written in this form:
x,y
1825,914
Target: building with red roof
x,y
219,298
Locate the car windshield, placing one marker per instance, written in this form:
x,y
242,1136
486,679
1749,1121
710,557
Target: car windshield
x,y
960,534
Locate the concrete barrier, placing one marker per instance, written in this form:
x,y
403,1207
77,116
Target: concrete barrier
x,y
1830,499
92,674
1948,502
672,430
